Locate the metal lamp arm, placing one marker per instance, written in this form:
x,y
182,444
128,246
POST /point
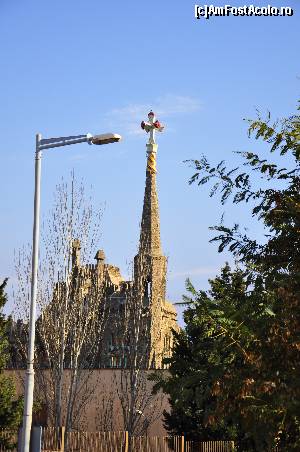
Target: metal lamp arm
x,y
48,143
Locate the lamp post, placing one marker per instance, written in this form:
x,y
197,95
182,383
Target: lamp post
x,y
43,144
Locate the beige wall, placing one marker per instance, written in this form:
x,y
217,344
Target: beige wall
x,y
99,394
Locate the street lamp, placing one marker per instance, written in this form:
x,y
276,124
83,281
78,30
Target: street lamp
x,y
43,144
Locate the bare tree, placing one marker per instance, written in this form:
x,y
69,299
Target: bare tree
x,y
70,302
107,413
130,351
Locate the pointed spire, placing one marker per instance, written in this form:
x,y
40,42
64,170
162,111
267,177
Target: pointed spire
x,y
150,225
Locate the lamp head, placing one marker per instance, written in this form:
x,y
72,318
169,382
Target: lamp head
x,y
105,138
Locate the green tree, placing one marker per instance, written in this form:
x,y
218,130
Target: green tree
x,y
10,406
211,368
242,336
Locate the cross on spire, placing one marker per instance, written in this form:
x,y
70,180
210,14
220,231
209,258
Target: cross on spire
x,y
152,126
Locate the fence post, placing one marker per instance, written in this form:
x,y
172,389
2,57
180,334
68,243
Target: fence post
x,y
182,444
36,439
62,439
19,438
126,442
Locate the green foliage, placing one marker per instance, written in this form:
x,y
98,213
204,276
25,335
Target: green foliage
x,y
3,340
277,208
10,406
235,369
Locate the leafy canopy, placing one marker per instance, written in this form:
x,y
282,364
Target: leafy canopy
x,y
235,369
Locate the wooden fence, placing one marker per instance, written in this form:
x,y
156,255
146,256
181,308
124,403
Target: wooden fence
x,y
209,446
55,440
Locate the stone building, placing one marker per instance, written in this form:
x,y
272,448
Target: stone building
x,y
153,316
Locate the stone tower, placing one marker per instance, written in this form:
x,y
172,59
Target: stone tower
x,y
150,265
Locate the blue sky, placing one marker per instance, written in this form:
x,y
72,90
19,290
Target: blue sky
x,y
73,67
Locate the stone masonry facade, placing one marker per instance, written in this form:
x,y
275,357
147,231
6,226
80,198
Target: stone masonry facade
x,y
148,282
